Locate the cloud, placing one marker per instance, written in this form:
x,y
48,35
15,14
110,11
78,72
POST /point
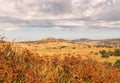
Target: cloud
x,y
57,7
9,28
59,13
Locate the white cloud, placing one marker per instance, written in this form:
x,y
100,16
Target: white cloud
x,y
59,13
9,29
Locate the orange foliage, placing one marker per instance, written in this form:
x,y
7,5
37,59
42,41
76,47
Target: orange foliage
x,y
22,66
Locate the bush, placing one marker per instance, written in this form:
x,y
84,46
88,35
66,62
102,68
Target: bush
x,y
109,64
117,64
91,52
104,54
96,53
22,66
73,47
117,52
110,53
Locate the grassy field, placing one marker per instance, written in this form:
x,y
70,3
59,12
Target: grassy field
x,y
77,49
56,62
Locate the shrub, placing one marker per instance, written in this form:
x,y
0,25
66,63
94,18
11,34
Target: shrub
x,y
109,64
117,64
22,66
104,54
73,48
117,52
89,46
110,53
96,53
91,52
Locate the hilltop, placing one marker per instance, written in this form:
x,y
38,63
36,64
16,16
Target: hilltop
x,y
81,40
115,41
111,41
100,42
46,40
2,41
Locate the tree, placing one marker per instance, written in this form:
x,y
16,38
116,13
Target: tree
x,y
104,54
117,64
110,53
117,52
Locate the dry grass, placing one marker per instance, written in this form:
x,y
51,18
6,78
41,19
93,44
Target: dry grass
x,y
20,65
76,49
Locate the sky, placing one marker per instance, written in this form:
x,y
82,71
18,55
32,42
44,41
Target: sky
x,y
69,19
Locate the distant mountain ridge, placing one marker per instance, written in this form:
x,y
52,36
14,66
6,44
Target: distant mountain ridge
x,y
80,40
106,41
111,41
48,40
2,41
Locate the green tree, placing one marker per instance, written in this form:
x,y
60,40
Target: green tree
x,y
117,52
117,64
110,53
104,54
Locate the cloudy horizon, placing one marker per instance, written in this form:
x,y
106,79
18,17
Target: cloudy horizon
x,y
95,19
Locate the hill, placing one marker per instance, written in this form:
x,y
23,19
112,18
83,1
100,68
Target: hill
x,y
46,40
2,41
111,41
81,40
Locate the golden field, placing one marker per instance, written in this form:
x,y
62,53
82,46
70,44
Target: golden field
x,y
57,62
86,50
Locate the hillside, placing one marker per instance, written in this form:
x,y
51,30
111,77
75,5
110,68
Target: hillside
x,y
111,41
2,41
46,40
81,40
84,40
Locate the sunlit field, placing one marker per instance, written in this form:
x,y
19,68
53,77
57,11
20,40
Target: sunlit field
x,y
57,62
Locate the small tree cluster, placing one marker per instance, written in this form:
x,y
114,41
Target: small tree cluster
x,y
106,54
117,52
117,64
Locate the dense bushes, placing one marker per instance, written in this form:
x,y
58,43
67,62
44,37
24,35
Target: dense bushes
x,y
117,64
117,52
106,54
22,66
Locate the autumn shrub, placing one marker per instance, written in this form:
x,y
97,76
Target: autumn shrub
x,y
19,65
117,64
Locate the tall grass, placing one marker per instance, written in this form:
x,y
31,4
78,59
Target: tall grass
x,y
19,65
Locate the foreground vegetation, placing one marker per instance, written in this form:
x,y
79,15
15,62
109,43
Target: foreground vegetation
x,y
19,65
106,54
